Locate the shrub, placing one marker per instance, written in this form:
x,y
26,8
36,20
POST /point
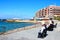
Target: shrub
x,y
57,18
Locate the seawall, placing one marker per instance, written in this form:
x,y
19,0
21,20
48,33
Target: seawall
x,y
21,29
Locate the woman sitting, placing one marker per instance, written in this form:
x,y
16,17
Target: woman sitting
x,y
51,26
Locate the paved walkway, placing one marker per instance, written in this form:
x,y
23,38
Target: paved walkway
x,y
31,34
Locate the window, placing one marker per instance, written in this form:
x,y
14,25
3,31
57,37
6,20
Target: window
x,y
50,8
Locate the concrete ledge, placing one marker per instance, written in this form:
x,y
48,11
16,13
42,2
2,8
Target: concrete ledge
x,y
20,29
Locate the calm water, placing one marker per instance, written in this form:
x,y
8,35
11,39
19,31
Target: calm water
x,y
6,26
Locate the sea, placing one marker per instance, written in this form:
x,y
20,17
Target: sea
x,y
6,26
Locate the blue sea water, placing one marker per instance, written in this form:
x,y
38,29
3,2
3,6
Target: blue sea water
x,y
6,26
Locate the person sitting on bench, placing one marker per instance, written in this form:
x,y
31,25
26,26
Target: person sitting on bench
x,y
43,32
51,25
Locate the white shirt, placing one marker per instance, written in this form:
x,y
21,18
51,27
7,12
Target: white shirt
x,y
50,22
42,29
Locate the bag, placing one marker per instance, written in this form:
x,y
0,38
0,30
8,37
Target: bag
x,y
55,25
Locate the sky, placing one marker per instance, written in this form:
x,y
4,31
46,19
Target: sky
x,y
23,8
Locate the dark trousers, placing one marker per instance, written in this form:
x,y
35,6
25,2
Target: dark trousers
x,y
50,28
43,34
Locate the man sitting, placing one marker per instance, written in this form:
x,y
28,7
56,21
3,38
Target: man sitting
x,y
43,32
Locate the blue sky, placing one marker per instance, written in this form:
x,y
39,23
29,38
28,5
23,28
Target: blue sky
x,y
23,8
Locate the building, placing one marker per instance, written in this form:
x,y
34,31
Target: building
x,y
49,11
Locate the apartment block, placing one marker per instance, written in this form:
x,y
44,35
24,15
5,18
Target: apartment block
x,y
49,11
